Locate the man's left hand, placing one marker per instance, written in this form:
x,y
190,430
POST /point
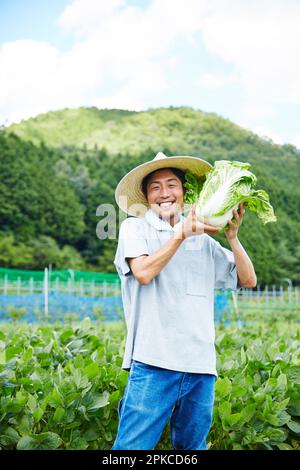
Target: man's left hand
x,y
233,228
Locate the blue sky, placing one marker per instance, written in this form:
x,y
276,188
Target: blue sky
x,y
236,58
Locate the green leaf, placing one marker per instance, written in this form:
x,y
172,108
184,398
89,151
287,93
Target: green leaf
x,y
55,398
293,374
13,351
9,438
99,402
272,419
294,410
294,426
28,354
283,418
224,410
92,370
5,376
43,441
248,412
282,382
223,387
276,435
276,370
239,392
78,442
233,419
38,414
237,447
284,446
66,335
80,380
91,434
31,403
243,356
58,415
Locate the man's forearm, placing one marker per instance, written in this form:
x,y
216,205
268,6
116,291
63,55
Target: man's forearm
x,y
244,266
148,267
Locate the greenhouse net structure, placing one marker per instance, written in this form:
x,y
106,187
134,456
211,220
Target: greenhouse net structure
x,y
59,295
69,295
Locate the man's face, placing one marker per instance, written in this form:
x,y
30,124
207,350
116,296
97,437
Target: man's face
x,y
165,195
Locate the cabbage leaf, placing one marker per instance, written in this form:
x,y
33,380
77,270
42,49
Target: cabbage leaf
x,y
227,185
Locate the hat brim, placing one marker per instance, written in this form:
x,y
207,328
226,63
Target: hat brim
x,y
129,195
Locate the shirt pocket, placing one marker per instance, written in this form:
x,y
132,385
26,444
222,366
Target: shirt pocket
x,y
196,278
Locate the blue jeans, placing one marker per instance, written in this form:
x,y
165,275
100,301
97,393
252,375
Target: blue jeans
x,y
153,396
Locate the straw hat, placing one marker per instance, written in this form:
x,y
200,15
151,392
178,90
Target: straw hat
x,y
129,194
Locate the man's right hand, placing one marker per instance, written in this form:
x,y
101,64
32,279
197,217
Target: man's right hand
x,y
192,226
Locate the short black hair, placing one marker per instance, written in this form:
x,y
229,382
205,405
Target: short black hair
x,y
179,173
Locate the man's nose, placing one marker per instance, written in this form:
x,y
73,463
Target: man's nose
x,y
164,192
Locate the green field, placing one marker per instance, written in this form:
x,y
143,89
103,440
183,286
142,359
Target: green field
x,y
60,386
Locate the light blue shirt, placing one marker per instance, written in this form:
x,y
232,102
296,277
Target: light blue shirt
x,y
170,321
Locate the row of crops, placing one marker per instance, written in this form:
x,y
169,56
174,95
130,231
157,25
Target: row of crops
x,y
60,386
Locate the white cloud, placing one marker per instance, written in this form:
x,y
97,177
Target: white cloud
x,y
126,56
295,140
261,39
84,18
35,77
214,80
116,46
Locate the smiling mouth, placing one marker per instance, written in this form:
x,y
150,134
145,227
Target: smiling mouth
x,y
166,205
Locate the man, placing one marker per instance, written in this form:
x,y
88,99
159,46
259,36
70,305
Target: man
x,y
169,267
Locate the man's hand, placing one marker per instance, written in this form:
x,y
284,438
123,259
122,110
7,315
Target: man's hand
x,y
192,226
244,266
233,228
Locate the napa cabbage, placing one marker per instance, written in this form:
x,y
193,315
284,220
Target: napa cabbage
x,y
228,184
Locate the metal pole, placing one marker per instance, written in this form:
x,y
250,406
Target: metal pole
x,y
274,294
31,285
267,294
281,293
46,299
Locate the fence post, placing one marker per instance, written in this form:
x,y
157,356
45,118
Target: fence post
x,y
258,292
19,286
290,291
281,294
267,294
31,285
46,293
274,293
234,296
116,288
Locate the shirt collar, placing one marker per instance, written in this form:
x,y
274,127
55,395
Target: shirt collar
x,y
158,223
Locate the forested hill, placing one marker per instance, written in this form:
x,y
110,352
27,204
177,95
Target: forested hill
x,y
58,167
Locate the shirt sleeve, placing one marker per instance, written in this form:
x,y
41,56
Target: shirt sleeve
x,y
225,268
131,244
